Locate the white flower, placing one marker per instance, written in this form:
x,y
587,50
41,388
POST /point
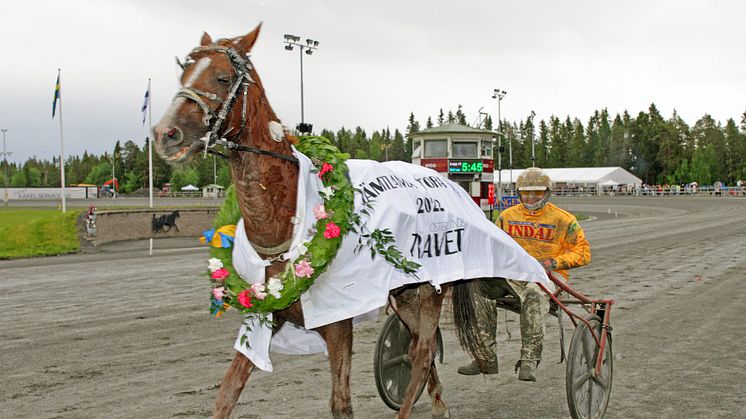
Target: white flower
x,y
327,192
274,286
258,291
214,264
302,249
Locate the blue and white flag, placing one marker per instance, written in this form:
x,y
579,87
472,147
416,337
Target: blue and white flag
x,y
145,104
57,94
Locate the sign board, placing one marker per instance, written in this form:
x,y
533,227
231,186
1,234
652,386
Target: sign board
x,y
439,165
508,201
460,166
491,193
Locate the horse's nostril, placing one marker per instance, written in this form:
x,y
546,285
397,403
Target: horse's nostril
x,y
171,132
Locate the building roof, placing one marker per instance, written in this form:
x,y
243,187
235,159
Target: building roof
x,y
580,176
454,129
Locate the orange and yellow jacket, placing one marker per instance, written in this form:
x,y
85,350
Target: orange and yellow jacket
x,y
550,232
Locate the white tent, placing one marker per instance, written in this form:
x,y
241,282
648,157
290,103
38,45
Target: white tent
x,y
190,187
579,176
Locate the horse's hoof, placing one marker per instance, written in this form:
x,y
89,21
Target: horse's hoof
x,y
439,410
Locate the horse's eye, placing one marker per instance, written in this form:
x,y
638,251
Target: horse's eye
x,y
224,79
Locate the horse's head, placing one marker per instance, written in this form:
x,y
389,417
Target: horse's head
x,y
212,101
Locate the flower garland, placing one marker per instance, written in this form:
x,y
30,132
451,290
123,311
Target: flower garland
x,y
335,218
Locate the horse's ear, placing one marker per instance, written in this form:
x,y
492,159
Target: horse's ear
x,y
206,40
245,43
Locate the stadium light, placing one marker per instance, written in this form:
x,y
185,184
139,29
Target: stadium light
x,y
310,46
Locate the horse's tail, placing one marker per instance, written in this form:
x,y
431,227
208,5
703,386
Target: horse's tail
x,y
465,307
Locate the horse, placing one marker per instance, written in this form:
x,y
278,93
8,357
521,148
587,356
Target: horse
x,y
222,99
165,220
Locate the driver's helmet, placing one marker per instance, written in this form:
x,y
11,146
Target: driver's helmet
x,y
533,181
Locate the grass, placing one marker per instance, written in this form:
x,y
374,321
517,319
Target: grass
x,y
37,232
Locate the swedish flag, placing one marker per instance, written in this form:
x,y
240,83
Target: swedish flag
x,y
56,94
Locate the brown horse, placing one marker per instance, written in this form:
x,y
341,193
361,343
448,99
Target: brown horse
x,y
223,101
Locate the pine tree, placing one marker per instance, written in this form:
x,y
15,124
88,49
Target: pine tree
x,y
413,126
440,117
488,123
398,151
542,145
451,117
429,123
577,144
375,150
460,116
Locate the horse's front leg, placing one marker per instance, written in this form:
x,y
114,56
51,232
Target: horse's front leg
x,y
338,337
232,385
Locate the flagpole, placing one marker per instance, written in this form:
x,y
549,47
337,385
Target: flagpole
x,y
150,145
150,154
62,147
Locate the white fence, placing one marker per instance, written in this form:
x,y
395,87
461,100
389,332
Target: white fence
x,y
653,191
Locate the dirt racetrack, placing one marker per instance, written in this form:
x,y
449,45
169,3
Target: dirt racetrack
x,y
118,333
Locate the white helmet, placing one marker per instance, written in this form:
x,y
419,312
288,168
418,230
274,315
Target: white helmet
x,y
534,179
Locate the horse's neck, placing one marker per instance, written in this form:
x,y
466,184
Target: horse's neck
x,y
266,186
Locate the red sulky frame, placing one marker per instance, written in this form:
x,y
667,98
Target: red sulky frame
x,y
596,307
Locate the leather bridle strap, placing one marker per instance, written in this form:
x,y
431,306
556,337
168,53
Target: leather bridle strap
x,y
241,66
231,145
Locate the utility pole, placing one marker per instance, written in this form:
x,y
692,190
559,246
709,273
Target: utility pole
x,y
385,148
310,46
5,162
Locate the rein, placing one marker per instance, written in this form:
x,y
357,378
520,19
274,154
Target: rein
x,y
241,66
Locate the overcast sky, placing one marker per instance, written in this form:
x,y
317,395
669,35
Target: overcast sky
x,y
377,61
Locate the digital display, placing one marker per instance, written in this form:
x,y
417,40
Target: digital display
x,y
465,167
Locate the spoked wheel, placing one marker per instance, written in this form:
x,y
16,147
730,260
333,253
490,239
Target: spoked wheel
x,y
587,393
392,366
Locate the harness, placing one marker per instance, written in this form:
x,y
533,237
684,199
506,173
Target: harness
x,y
241,65
214,121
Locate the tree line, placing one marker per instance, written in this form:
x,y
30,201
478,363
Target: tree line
x,y
656,149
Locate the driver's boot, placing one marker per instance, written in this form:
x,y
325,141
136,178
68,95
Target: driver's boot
x,y
473,368
527,370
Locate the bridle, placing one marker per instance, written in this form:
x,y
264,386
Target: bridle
x,y
241,65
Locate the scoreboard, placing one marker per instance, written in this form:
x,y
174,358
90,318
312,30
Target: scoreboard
x,y
459,166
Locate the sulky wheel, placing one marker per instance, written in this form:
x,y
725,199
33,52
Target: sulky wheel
x,y
391,363
588,394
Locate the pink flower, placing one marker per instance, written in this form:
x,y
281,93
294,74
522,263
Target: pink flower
x,y
244,298
218,293
319,212
326,168
220,274
303,269
332,231
258,291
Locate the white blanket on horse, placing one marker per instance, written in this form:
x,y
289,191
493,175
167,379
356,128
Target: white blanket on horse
x,y
435,223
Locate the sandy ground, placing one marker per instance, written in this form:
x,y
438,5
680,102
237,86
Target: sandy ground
x,y
118,333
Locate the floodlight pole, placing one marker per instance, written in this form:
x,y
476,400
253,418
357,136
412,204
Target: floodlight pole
x,y
499,95
533,152
310,45
302,116
5,161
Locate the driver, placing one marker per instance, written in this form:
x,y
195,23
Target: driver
x,y
554,237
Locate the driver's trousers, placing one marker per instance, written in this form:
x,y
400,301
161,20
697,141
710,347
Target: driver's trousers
x,y
534,309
